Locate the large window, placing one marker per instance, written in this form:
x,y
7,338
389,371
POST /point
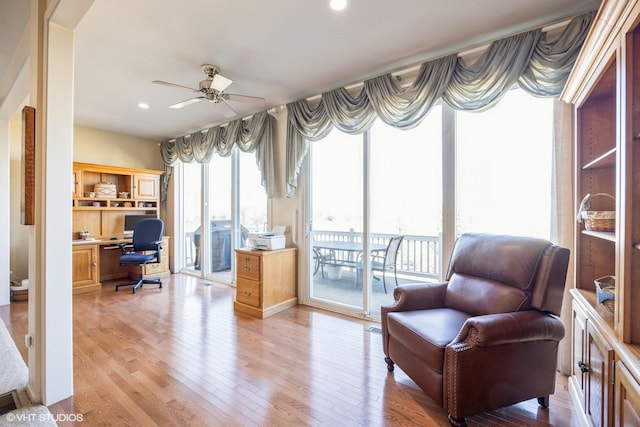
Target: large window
x,y
456,172
503,164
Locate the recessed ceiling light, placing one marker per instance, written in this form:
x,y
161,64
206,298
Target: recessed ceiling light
x,y
143,105
338,4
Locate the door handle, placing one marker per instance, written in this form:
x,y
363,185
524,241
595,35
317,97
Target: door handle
x,y
583,367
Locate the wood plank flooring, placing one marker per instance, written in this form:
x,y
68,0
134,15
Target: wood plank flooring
x,y
179,356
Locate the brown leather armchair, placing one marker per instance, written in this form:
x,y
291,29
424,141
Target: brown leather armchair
x,y
488,336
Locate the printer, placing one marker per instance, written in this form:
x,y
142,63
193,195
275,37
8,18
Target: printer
x,y
267,241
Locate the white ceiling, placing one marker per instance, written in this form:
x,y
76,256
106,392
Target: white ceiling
x,y
280,50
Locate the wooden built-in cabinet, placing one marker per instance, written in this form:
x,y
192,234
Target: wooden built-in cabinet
x,y
86,269
103,217
266,282
627,398
604,88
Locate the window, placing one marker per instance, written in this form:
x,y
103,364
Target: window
x,y
390,182
503,165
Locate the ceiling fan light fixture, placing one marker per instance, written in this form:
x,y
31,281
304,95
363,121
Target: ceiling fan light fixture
x,y
220,82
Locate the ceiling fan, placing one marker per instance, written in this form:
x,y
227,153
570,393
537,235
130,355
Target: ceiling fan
x,y
212,89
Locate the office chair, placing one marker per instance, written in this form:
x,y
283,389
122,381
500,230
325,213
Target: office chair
x,y
147,238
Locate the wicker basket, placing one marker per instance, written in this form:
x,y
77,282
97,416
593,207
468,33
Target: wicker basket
x,y
599,220
606,291
105,190
596,220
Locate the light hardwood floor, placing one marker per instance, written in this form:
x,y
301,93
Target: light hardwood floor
x,y
179,356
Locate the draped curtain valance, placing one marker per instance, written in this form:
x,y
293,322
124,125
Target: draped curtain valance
x,y
537,65
249,135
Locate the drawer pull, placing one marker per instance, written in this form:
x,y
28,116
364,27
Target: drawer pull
x,y
247,267
583,367
247,293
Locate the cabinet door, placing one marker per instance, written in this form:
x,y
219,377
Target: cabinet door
x,y
600,364
85,265
627,398
76,184
580,362
146,187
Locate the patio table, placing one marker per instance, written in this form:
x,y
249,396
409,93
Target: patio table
x,y
353,252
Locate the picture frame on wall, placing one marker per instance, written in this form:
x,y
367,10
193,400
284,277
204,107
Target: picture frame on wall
x,y
28,175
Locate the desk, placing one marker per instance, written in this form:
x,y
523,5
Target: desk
x,y
353,251
95,261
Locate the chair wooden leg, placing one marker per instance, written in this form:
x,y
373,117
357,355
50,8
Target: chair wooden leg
x,y
457,422
390,364
543,401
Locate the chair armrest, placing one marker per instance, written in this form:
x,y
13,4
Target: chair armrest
x,y
506,328
420,296
158,244
122,247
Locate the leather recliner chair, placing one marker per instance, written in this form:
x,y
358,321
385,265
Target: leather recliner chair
x,y
488,336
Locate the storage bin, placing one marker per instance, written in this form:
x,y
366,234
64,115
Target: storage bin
x,y
105,190
606,291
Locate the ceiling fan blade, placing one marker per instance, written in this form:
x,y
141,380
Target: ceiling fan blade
x,y
220,82
254,100
227,111
187,102
160,82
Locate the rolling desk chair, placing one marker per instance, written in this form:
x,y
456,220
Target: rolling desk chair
x,y
147,238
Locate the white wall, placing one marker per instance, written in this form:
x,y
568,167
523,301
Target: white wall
x,y
4,213
283,209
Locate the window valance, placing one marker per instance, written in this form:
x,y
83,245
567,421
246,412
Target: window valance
x,y
540,66
252,135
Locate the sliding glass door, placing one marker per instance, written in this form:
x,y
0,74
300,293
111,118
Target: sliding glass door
x,y
227,191
191,195
337,221
375,214
405,204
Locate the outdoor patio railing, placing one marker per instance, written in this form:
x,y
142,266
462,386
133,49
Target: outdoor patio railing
x,y
419,256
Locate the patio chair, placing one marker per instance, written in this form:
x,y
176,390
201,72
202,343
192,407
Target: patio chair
x,y
384,263
320,259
